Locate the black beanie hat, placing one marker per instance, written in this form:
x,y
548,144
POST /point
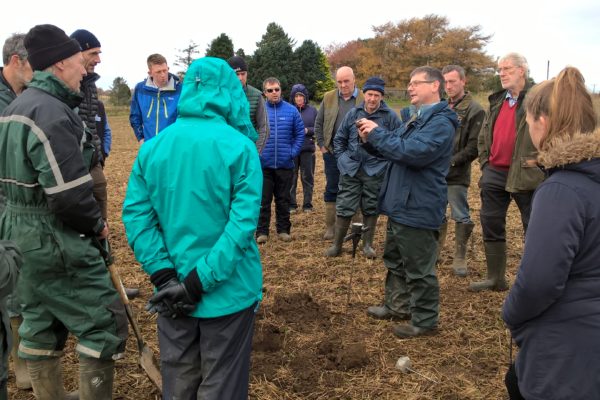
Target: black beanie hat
x,y
87,40
237,63
374,83
47,45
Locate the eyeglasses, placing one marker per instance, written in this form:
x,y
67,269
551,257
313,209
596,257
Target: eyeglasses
x,y
505,69
417,83
273,90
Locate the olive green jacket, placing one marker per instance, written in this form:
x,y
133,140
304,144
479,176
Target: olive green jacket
x,y
327,116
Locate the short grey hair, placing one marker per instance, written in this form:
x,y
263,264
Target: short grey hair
x,y
14,46
460,70
518,60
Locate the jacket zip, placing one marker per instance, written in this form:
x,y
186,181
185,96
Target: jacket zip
x,y
157,112
276,133
150,109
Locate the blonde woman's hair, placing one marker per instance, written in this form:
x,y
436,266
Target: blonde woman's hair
x,y
565,102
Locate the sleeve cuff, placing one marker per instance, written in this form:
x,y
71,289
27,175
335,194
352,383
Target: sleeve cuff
x,y
162,276
193,285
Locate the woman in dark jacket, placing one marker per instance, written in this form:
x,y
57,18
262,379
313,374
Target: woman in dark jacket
x,y
305,162
553,309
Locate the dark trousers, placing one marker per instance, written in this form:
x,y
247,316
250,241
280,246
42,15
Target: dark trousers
x,y
206,358
276,182
332,177
512,384
494,204
359,190
305,163
411,283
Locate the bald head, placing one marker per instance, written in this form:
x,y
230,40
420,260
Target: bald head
x,y
344,78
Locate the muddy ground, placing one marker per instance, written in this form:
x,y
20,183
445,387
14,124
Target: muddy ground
x,y
310,342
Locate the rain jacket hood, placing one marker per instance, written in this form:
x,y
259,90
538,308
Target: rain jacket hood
x,y
299,88
209,92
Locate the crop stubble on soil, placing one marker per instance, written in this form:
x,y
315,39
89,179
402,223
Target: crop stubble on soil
x,y
309,343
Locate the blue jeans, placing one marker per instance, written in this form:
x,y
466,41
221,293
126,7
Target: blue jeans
x,y
332,177
459,205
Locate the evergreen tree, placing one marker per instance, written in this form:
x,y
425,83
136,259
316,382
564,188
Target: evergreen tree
x,y
312,72
185,59
120,94
327,83
221,47
274,56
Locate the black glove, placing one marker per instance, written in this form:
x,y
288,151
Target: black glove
x,y
174,298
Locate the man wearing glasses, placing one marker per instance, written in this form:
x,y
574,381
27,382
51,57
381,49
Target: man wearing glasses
x,y
508,167
414,197
277,159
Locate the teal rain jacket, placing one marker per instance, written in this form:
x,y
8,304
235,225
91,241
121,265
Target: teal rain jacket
x,y
194,193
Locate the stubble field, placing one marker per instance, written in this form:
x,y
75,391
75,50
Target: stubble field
x,y
310,342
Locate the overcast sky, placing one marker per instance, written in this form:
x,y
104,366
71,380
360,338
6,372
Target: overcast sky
x,y
562,32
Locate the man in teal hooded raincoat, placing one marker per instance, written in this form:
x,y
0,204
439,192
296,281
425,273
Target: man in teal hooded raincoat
x,y
190,212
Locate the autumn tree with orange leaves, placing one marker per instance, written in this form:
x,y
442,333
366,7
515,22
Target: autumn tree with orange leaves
x,y
398,48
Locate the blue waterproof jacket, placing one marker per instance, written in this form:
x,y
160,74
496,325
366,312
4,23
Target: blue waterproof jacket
x,y
286,136
194,193
349,154
153,109
553,308
414,191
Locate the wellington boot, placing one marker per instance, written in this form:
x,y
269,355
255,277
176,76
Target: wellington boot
x,y
371,223
462,235
21,374
46,378
495,255
441,240
329,220
95,378
341,227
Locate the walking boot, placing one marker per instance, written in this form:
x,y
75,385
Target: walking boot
x,y
495,256
46,378
341,227
329,220
371,223
462,235
441,240
21,374
96,378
